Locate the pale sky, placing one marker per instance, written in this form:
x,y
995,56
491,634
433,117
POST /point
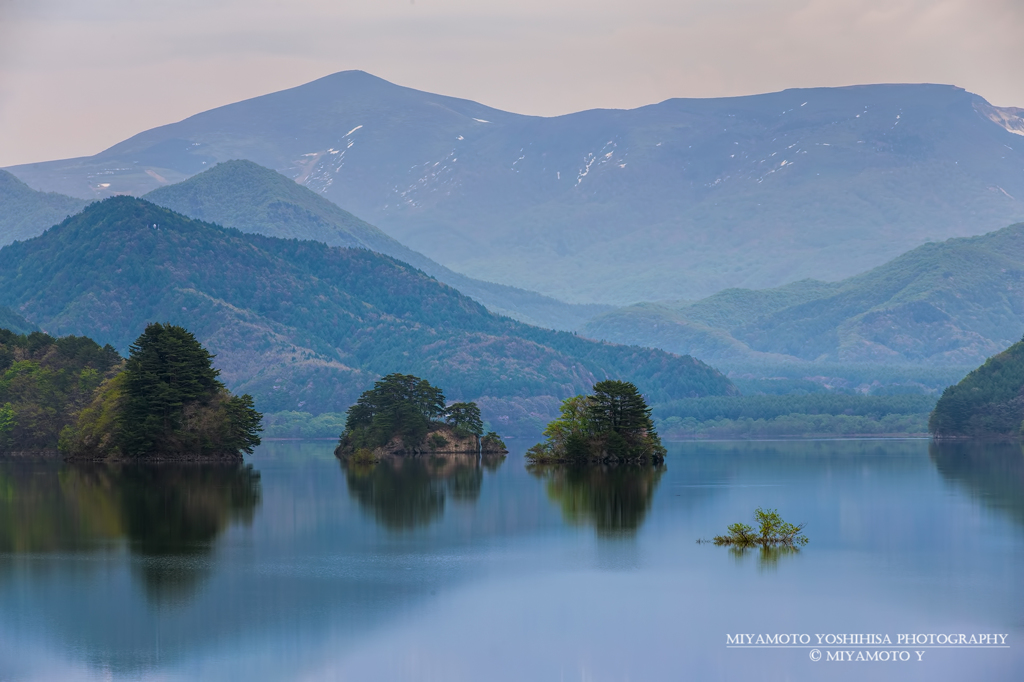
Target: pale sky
x,y
77,76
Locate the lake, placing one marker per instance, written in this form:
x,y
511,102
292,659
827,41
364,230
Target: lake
x,y
297,569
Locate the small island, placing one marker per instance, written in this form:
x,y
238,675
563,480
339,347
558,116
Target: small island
x,y
772,532
167,405
405,415
612,425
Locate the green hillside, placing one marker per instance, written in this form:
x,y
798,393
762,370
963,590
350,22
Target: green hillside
x,y
988,403
25,213
45,383
306,327
950,303
251,198
14,322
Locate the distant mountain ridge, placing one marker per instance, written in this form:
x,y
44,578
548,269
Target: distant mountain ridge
x,y
674,200
951,303
303,326
254,199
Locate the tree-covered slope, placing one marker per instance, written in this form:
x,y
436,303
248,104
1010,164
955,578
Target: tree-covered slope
x,y
251,198
25,213
303,326
673,200
952,303
988,403
14,322
44,384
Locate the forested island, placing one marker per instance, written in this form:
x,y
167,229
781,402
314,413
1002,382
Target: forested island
x,y
613,424
988,403
164,403
405,415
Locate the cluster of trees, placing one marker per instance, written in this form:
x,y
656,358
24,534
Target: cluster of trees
x,y
166,404
408,407
44,383
613,423
988,403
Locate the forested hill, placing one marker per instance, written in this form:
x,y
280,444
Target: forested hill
x,y
304,326
988,403
951,303
25,213
251,198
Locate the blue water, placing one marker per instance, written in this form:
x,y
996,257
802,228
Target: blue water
x,y
297,569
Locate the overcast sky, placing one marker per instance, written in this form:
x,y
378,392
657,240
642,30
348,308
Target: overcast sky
x,y
76,76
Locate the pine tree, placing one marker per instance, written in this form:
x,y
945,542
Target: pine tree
x,y
174,402
465,417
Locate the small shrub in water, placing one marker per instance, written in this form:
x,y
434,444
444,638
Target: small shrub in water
x,y
772,532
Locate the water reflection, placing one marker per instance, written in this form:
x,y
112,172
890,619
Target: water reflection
x,y
991,472
403,493
767,557
168,515
614,499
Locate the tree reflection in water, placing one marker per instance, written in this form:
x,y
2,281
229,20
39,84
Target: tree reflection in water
x,y
767,556
406,492
170,515
992,472
614,499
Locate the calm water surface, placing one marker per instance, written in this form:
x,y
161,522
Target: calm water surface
x,y
457,570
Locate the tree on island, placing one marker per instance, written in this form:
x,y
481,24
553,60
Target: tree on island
x,y
612,424
465,417
167,404
408,408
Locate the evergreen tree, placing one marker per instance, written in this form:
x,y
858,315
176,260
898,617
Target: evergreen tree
x,y
614,423
617,406
173,402
465,417
398,404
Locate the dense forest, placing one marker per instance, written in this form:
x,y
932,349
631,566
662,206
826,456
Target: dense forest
x,y
13,322
44,385
988,403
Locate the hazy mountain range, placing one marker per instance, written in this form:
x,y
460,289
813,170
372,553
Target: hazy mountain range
x,y
305,326
951,303
670,201
248,197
